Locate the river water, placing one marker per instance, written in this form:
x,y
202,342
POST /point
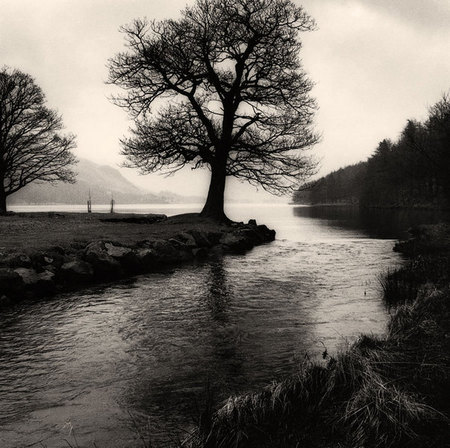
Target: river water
x,y
115,363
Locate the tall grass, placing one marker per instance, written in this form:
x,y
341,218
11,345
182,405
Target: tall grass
x,y
381,392
402,285
399,286
353,401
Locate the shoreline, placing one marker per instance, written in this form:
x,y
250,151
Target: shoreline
x,y
43,254
380,392
374,207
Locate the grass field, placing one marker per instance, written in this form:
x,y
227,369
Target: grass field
x,y
28,232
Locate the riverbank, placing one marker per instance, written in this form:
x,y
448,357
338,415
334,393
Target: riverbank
x,y
357,205
381,392
46,253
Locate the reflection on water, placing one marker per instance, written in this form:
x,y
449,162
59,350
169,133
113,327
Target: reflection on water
x,y
376,223
219,294
148,347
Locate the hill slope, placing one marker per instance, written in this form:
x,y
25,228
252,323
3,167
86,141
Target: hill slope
x,y
102,181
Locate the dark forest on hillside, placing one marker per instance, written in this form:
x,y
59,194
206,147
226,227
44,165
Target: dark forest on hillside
x,y
413,171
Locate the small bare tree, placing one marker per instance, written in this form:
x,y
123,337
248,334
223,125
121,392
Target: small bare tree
x,y
31,147
239,99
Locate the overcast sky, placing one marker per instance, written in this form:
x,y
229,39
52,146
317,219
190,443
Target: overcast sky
x,y
375,64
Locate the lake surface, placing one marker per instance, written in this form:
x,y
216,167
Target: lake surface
x,y
107,365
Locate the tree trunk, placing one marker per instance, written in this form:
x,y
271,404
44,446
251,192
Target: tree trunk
x,y
2,201
214,206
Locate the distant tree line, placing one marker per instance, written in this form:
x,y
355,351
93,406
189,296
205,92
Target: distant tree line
x,y
413,171
339,187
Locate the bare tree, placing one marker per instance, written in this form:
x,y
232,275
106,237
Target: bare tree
x,y
239,99
31,148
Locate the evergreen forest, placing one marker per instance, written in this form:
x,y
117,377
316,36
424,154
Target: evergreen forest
x,y
413,171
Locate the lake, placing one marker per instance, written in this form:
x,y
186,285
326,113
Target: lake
x,y
113,363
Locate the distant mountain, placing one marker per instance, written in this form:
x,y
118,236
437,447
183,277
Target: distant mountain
x,y
102,181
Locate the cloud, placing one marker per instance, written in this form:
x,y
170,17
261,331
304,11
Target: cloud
x,y
373,70
375,63
430,15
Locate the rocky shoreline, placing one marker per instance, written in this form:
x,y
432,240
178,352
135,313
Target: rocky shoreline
x,y
56,269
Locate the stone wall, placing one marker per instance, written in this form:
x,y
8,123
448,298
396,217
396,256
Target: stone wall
x,y
58,269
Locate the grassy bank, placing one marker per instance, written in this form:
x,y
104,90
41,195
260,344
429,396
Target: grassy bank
x,y
381,392
42,254
27,232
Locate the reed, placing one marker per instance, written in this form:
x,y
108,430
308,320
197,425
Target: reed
x,y
381,392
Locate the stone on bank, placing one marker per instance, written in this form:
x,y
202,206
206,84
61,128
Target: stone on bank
x,y
58,269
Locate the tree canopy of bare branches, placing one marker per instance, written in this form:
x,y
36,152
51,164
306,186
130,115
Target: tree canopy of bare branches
x,y
31,147
221,87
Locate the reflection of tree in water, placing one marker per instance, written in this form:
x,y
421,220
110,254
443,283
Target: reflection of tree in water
x,y
223,327
225,370
192,346
225,367
218,295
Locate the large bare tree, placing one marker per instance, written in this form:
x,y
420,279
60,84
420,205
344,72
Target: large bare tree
x,y
228,92
31,147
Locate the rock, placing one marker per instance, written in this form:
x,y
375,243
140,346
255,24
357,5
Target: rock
x,y
37,260
57,250
57,257
184,251
81,263
41,260
165,252
104,265
116,251
169,252
76,271
147,257
138,219
200,252
46,284
144,244
29,276
214,237
252,235
176,243
4,301
266,233
96,247
17,261
46,276
235,242
132,263
156,217
247,236
49,267
201,239
10,282
187,239
38,284
216,251
78,245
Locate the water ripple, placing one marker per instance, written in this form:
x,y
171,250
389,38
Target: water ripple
x,y
148,346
